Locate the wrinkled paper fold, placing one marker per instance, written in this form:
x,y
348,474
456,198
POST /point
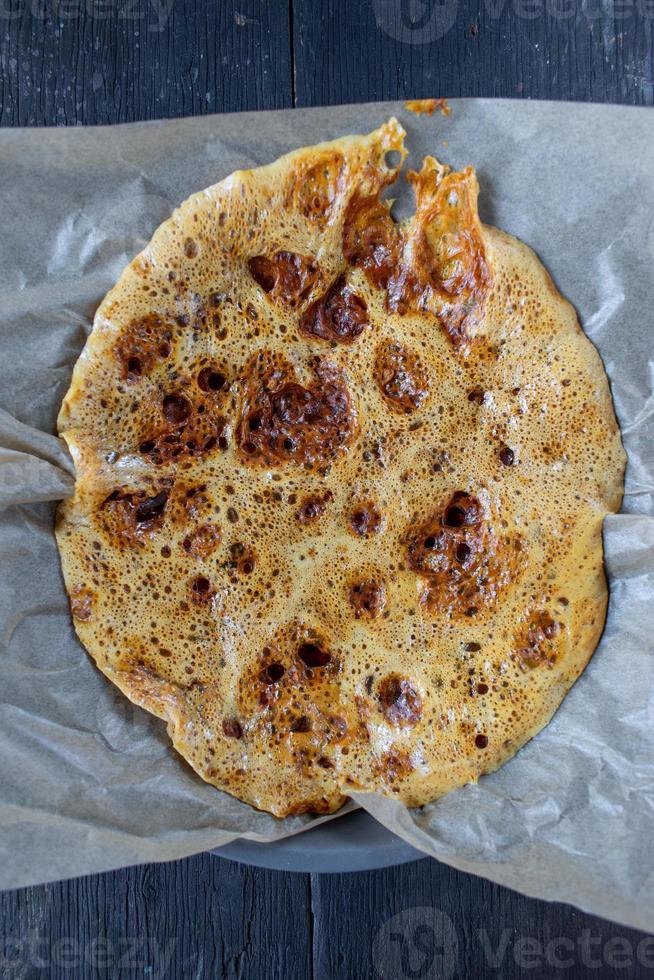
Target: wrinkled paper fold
x,y
88,781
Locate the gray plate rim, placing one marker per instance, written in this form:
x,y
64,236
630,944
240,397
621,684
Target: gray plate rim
x,y
355,842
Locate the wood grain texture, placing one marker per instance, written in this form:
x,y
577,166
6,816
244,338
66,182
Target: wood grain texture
x,y
427,920
545,49
198,918
109,61
106,61
205,918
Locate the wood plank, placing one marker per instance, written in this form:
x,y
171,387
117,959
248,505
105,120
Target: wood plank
x,y
198,918
427,920
359,52
142,59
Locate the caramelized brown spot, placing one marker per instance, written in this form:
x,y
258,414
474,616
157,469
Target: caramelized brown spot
x,y
131,518
282,420
314,189
438,263
463,552
210,379
464,564
313,655
203,541
448,273
188,427
286,277
189,502
401,378
477,395
246,565
339,724
273,673
82,600
365,520
399,701
191,248
464,510
201,590
548,627
535,647
368,599
243,558
292,701
313,507
176,408
150,510
142,344
263,272
339,316
232,728
371,239
319,805
393,765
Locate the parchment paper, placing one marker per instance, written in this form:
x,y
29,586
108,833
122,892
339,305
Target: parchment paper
x,y
87,780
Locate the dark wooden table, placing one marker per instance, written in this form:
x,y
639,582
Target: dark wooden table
x,y
71,62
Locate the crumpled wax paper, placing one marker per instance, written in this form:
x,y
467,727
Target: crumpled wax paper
x,y
88,781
